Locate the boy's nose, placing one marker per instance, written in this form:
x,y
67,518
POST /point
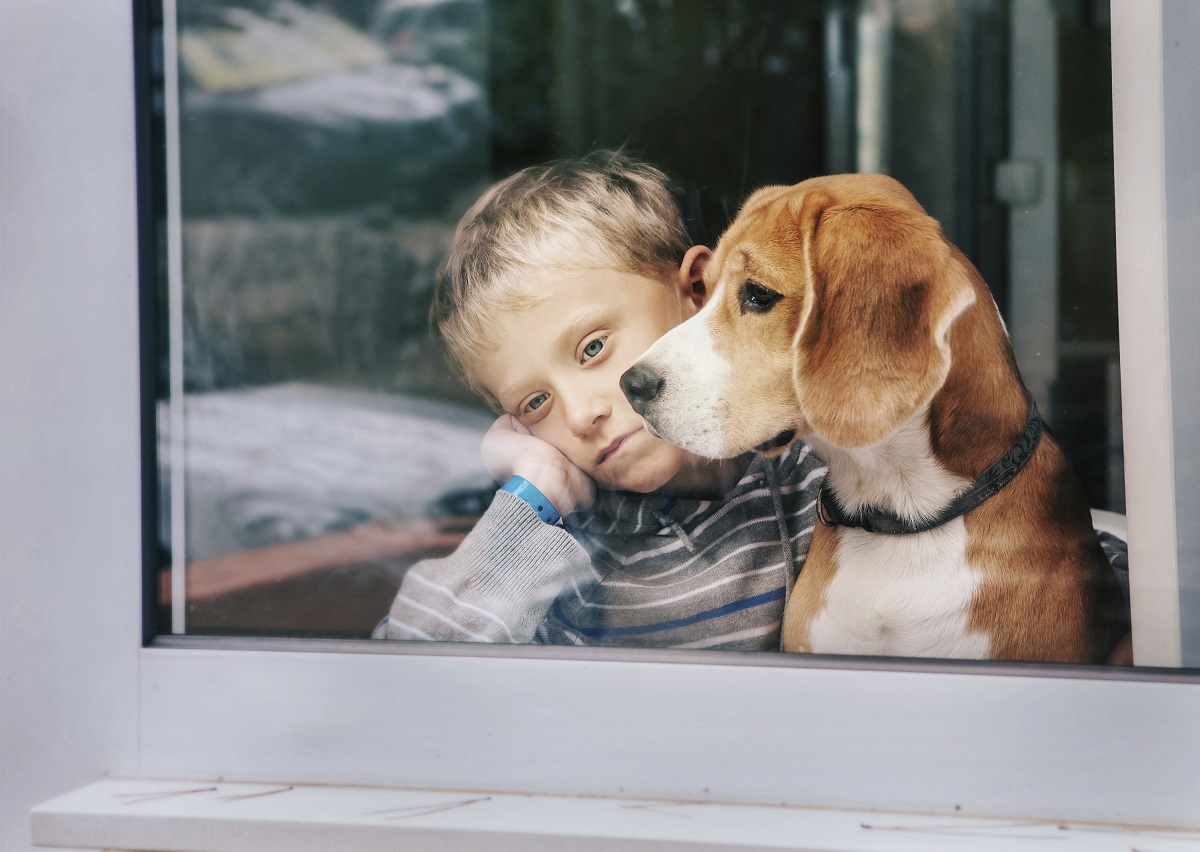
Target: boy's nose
x,y
586,413
641,385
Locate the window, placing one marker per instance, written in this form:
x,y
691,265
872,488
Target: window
x,y
312,444
318,155
475,706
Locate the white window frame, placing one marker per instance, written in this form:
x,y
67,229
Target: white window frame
x,y
1008,740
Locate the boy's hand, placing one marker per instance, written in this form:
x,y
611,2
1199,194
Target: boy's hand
x,y
510,449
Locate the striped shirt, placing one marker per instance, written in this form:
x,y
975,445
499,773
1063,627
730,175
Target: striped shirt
x,y
632,570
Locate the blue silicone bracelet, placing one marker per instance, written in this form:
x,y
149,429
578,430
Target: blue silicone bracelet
x,y
521,487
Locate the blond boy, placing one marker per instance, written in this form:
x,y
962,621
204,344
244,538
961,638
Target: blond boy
x,y
559,278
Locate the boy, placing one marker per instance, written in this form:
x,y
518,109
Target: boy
x,y
559,278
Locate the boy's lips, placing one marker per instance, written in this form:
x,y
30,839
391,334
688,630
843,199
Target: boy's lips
x,y
615,446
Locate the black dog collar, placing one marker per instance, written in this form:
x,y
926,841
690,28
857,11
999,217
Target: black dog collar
x,y
876,520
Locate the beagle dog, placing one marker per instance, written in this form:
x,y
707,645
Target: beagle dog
x,y
951,524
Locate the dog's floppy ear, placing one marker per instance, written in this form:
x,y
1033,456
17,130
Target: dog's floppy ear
x,y
884,291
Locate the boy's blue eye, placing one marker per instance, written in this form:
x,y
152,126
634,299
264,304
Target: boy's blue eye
x,y
593,348
536,403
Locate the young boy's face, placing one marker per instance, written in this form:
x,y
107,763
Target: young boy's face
x,y
559,362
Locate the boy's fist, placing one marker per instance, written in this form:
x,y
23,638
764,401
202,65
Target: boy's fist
x,y
510,449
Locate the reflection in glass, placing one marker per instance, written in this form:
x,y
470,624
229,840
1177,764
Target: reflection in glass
x,y
312,443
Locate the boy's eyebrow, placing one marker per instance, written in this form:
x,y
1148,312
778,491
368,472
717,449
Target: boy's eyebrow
x,y
507,392
566,338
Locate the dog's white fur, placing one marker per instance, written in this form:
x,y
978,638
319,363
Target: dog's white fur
x,y
701,378
904,596
907,598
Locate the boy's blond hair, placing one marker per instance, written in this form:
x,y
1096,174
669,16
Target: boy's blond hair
x,y
602,211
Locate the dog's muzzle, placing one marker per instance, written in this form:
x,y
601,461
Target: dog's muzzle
x,y
641,386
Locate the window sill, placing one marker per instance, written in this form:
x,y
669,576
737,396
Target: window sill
x,y
165,816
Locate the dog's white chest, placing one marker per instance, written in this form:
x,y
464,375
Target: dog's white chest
x,y
901,596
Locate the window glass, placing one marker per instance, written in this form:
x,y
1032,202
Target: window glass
x,y
313,442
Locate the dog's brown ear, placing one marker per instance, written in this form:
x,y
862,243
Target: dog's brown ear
x,y
874,346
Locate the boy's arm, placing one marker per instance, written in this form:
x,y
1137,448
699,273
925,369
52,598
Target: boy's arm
x,y
496,587
499,584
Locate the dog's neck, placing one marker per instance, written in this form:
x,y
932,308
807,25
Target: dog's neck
x,y
900,474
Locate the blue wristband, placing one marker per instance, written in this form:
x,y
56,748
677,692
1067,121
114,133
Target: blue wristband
x,y
521,487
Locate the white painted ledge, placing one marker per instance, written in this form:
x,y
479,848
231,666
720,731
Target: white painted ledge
x,y
204,816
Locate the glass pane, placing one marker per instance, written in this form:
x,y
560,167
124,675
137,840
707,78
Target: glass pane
x,y
313,442
325,154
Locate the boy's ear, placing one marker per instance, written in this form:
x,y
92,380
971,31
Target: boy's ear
x,y
691,274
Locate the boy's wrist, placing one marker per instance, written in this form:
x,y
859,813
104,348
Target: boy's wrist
x,y
522,488
553,480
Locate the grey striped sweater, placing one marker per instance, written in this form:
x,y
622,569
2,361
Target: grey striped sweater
x,y
632,570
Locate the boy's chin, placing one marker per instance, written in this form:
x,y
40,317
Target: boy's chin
x,y
638,486
645,480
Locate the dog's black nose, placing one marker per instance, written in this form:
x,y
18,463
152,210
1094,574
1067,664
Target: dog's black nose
x,y
640,385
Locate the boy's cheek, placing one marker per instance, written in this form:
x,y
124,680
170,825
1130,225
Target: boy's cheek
x,y
560,439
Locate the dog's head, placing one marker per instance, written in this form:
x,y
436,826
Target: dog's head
x,y
829,311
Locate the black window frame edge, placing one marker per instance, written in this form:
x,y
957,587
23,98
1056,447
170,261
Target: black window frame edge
x,y
148,184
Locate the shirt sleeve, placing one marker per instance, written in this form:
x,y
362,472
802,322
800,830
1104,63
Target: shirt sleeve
x,y
1117,553
496,587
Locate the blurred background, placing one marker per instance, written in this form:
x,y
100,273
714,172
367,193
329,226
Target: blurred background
x,y
309,161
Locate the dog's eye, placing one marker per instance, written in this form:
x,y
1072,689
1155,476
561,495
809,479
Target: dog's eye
x,y
757,298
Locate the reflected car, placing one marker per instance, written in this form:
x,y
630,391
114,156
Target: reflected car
x,y
448,32
287,109
304,505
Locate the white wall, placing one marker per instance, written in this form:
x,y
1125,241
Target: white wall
x,y
68,402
